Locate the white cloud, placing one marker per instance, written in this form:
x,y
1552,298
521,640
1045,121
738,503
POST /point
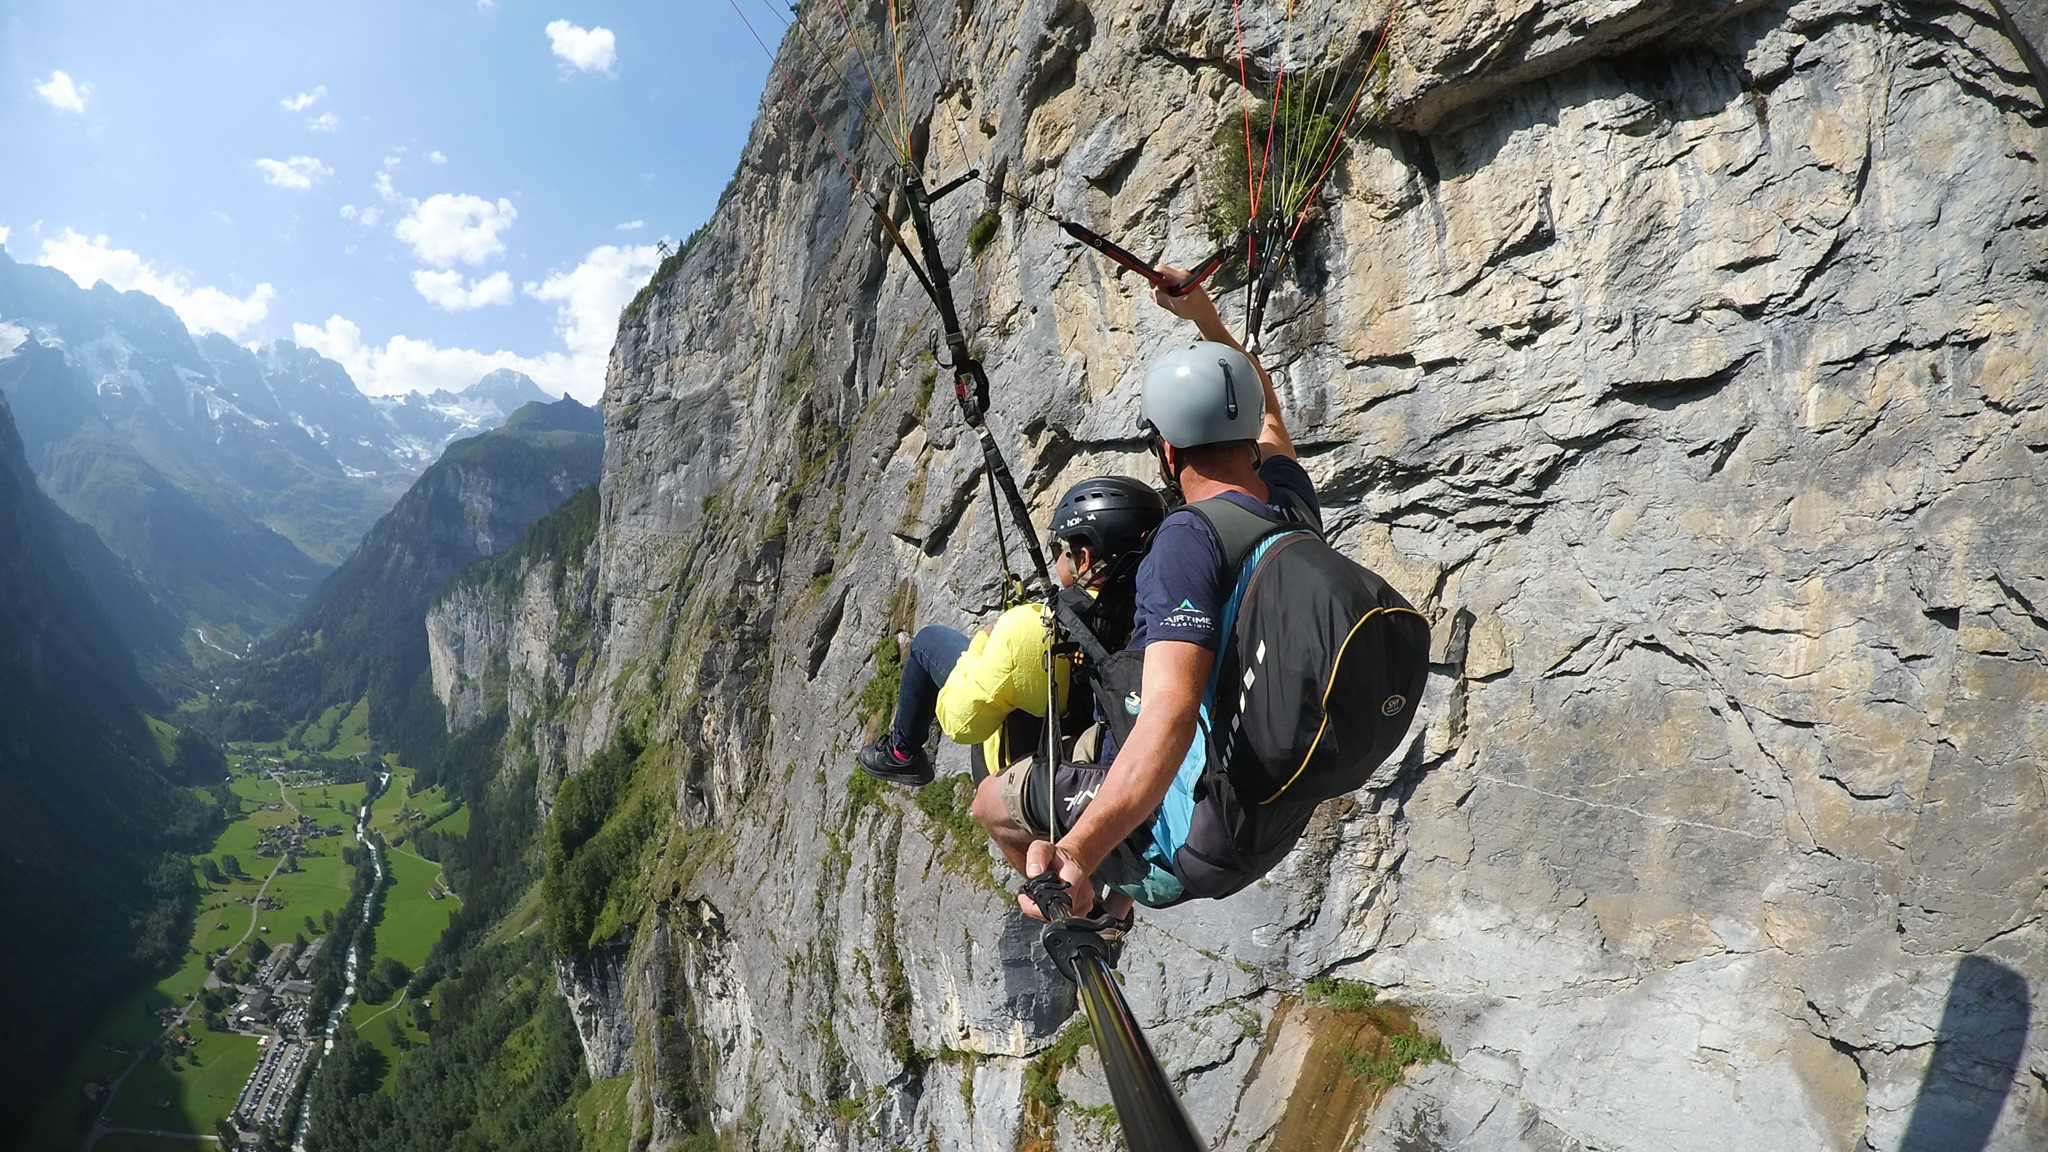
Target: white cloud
x,y
586,49
404,364
303,100
5,232
89,260
324,122
589,297
450,228
435,157
362,217
61,93
450,291
632,225
298,173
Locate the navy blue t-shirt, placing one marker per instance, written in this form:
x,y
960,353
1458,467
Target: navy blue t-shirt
x,y
1181,583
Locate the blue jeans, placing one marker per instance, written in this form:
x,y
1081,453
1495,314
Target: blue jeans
x,y
932,656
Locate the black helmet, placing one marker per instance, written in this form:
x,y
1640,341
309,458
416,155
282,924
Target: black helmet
x,y
1113,515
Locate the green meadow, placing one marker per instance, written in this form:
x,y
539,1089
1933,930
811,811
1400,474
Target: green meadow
x,y
329,803
401,811
373,1023
413,920
187,1092
343,730
456,823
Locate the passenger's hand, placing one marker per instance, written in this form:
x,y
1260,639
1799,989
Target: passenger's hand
x,y
1080,889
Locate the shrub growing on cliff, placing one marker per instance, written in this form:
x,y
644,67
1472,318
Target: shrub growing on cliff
x,y
592,847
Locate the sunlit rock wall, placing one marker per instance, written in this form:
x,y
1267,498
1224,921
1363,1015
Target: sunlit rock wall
x,y
1684,361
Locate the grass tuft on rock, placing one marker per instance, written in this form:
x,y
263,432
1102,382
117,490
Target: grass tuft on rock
x,y
1343,995
983,233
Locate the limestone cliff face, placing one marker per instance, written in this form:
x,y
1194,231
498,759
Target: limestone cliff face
x,y
1686,362
478,629
511,632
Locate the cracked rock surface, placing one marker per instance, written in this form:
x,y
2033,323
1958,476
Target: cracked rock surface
x,y
1687,362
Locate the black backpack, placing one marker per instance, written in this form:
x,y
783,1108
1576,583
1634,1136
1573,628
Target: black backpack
x,y
1320,671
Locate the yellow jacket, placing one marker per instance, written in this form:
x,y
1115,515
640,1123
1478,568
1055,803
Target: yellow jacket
x,y
1002,671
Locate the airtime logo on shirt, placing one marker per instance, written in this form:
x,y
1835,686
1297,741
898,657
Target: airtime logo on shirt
x,y
1187,616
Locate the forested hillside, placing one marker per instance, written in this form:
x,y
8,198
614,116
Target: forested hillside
x,y
363,633
94,889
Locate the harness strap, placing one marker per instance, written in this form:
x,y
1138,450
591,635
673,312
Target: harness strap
x,y
1244,536
970,381
1075,627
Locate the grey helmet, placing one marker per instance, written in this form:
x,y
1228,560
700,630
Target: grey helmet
x,y
1203,393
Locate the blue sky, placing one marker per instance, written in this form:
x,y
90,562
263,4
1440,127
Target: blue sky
x,y
423,189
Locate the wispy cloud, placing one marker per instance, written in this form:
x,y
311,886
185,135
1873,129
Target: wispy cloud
x,y
632,225
89,260
451,292
362,217
303,100
435,157
456,228
585,49
324,122
65,95
298,173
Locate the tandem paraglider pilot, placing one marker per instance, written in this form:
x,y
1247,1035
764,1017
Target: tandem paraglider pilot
x,y
1264,673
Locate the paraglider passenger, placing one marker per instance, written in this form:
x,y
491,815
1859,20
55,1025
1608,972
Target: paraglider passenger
x,y
989,689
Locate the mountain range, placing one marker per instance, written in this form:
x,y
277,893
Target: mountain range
x,y
225,480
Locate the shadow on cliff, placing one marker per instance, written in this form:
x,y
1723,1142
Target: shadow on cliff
x,y
1977,1051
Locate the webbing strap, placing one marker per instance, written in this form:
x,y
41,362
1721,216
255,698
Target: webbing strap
x,y
1075,627
1238,585
970,381
1242,536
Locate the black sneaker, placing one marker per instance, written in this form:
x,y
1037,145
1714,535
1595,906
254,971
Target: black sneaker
x,y
1115,931
885,761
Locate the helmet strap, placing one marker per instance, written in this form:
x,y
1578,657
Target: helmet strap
x,y
1169,473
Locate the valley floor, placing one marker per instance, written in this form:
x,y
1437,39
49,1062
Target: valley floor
x,y
172,1076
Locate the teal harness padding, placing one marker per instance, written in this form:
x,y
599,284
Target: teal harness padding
x,y
1160,888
